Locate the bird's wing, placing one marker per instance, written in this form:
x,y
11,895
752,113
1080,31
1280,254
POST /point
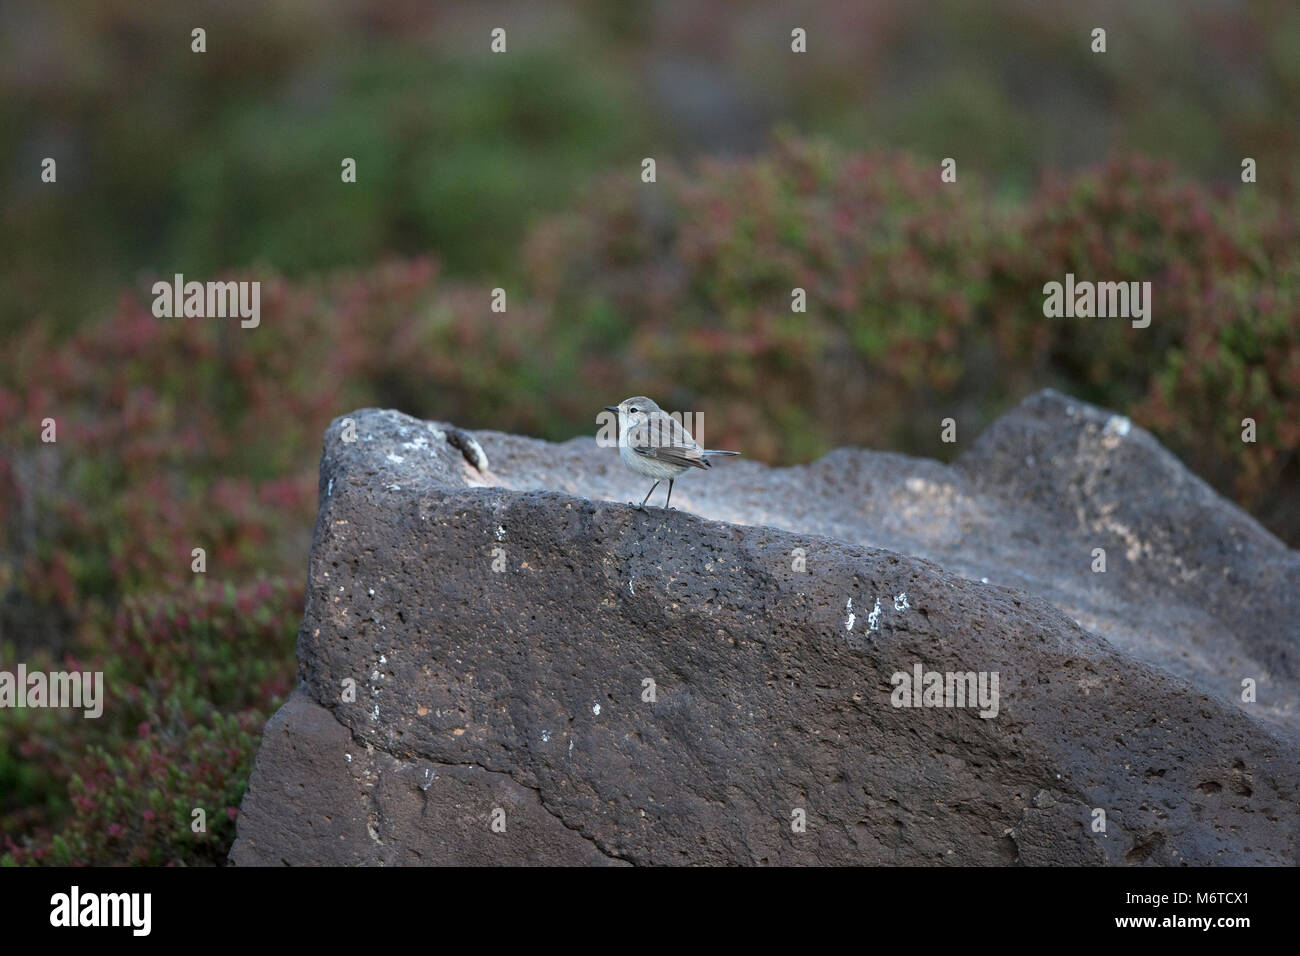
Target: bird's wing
x,y
664,439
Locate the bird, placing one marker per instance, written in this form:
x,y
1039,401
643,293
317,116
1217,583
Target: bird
x,y
655,445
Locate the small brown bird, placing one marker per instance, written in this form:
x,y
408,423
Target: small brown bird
x,y
654,444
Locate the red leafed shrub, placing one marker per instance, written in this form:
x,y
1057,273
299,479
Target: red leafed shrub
x,y
174,435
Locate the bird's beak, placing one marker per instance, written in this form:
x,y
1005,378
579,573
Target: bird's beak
x,y
612,408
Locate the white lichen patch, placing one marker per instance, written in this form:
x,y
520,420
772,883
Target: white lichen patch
x,y
848,624
1118,425
873,619
596,709
546,736
501,533
900,602
1134,547
395,459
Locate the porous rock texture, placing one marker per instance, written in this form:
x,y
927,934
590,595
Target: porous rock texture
x,y
545,674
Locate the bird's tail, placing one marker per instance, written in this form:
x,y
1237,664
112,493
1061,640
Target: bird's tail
x,y
705,455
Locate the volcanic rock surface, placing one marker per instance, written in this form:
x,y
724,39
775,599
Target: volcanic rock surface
x,y
502,661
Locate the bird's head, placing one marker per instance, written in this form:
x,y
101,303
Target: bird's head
x,y
633,411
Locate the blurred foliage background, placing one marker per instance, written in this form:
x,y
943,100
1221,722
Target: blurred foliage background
x,y
521,171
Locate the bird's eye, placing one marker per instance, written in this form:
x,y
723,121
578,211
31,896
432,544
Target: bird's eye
x,y
634,410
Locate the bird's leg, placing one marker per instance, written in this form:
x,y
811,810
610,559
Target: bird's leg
x,y
670,492
648,494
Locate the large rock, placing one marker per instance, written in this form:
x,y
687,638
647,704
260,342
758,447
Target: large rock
x,y
503,626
